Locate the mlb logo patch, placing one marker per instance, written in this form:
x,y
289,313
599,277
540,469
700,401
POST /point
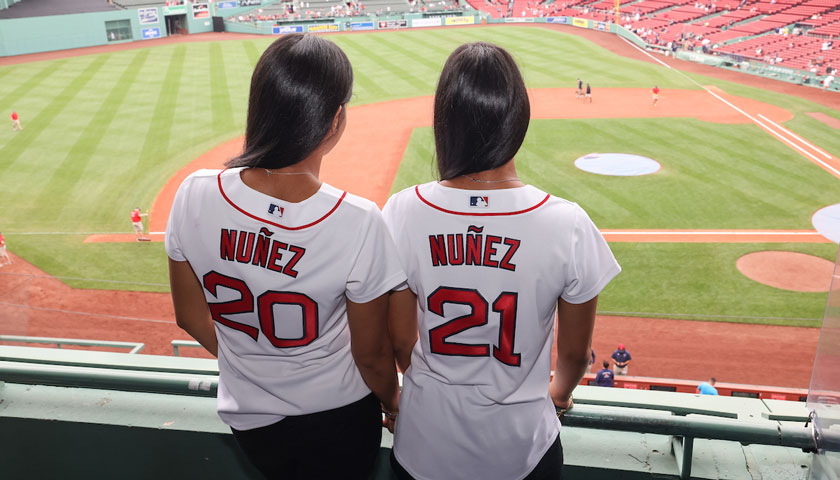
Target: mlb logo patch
x,y
480,202
275,210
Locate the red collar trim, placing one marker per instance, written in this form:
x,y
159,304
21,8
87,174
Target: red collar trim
x,y
222,191
471,214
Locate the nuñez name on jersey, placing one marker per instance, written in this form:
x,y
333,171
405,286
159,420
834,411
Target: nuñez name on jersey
x,y
473,248
260,249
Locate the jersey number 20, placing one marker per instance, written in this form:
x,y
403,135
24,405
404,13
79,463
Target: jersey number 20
x,y
265,310
505,305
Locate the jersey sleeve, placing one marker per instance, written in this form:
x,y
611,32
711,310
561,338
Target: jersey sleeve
x,y
175,224
592,264
393,220
377,268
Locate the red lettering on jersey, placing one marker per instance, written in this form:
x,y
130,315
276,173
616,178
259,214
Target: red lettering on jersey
x,y
245,248
265,307
227,244
478,316
513,245
438,249
474,249
455,245
505,305
245,303
261,250
490,250
297,254
276,256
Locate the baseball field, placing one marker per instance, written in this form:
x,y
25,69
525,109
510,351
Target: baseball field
x,y
110,131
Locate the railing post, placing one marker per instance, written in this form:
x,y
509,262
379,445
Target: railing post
x,y
687,455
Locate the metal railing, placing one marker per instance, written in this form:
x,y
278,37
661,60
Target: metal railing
x,y
109,379
134,347
178,344
684,430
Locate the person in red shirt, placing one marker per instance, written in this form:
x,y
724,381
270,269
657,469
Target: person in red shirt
x,y
16,122
655,94
4,257
137,222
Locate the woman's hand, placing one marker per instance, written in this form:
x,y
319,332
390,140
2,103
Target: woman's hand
x,y
562,402
390,419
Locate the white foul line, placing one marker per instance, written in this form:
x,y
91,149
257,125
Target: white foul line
x,y
776,134
795,136
765,127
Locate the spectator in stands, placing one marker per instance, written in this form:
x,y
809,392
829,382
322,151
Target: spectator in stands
x,y
707,388
605,377
621,358
302,404
482,409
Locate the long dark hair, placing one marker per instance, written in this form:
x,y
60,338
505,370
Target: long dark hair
x,y
297,87
481,110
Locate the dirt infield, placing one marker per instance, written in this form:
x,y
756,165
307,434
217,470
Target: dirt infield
x,y
37,305
793,271
830,121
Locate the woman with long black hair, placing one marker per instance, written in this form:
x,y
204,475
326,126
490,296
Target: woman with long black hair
x,y
490,260
285,278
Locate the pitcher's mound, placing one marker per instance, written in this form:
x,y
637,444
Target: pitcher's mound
x,y
798,272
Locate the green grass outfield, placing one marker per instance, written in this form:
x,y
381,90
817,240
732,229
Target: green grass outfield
x,y
104,132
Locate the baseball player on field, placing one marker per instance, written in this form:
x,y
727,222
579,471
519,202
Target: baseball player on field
x,y
137,223
4,257
286,278
490,262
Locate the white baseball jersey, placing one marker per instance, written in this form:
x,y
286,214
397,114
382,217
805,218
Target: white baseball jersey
x,y
488,268
275,276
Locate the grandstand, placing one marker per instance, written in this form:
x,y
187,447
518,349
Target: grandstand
x,y
790,33
688,22
325,9
42,8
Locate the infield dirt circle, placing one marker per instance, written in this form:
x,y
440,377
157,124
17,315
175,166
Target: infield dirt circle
x,y
798,272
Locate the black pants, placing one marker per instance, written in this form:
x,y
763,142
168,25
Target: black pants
x,y
339,443
549,468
